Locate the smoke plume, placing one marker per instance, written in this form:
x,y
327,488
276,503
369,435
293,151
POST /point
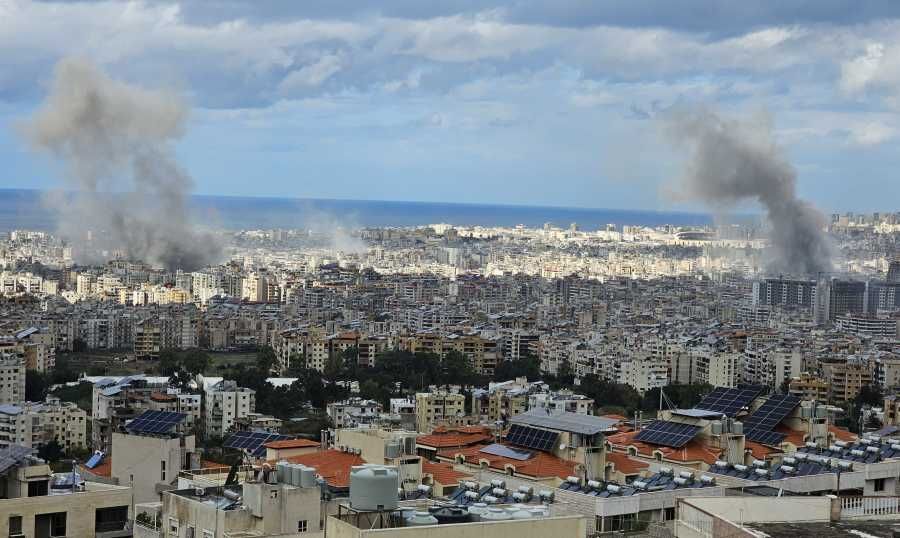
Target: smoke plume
x,y
732,161
115,142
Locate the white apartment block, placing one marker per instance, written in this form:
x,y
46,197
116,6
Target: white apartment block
x,y
223,403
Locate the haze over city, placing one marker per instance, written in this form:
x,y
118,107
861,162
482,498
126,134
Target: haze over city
x,y
455,268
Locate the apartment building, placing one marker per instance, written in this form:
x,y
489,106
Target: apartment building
x,y
12,378
224,402
439,408
810,387
846,378
33,425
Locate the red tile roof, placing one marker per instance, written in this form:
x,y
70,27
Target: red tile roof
x,y
103,469
443,473
541,465
291,443
693,451
841,434
457,437
624,464
332,465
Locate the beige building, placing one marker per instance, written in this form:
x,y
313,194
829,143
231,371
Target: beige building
x,y
846,378
363,527
439,408
28,509
36,424
809,387
12,378
151,465
254,508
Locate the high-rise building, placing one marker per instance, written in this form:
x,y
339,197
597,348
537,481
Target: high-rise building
x,y
893,274
784,292
836,296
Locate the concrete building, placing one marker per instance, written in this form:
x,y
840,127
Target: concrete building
x,y
36,424
809,387
257,507
846,378
33,505
439,408
224,402
353,412
12,379
149,464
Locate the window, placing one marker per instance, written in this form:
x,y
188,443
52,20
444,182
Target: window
x,y
302,525
111,519
58,524
189,532
15,525
207,533
879,484
162,470
173,526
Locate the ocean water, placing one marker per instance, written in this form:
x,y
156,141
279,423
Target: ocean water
x,y
23,209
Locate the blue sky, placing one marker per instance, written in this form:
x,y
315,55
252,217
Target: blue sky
x,y
522,102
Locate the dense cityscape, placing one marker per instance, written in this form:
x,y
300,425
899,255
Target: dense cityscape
x,y
451,269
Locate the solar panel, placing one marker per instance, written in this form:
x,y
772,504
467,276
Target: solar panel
x,y
765,437
665,433
94,460
252,442
507,452
772,412
729,401
532,437
155,422
14,455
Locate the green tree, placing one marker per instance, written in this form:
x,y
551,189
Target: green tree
x,y
266,360
51,452
36,385
195,361
527,366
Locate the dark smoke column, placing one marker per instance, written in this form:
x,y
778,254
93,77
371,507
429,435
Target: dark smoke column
x,y
116,138
732,161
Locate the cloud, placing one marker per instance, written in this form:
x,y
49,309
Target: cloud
x,y
871,134
312,75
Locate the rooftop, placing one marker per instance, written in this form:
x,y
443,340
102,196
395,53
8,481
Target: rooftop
x,y
850,529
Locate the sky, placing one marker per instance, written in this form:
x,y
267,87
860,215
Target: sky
x,y
519,102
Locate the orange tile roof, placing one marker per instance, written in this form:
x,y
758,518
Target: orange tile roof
x,y
291,443
794,437
624,464
841,433
614,416
443,473
332,465
541,465
162,397
694,450
759,450
452,438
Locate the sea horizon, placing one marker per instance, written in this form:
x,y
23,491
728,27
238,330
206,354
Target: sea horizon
x,y
24,209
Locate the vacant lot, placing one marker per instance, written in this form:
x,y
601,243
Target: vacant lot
x,y
125,363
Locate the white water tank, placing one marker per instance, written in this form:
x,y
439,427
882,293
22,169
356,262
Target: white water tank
x,y
392,449
477,510
374,487
308,477
296,473
495,514
421,519
281,471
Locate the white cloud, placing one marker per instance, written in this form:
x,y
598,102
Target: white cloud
x,y
871,134
312,75
859,72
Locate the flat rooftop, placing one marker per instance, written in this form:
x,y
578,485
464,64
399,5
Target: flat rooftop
x,y
849,529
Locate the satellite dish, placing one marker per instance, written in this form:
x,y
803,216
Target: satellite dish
x,y
562,446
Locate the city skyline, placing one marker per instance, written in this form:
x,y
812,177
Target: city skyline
x,y
461,101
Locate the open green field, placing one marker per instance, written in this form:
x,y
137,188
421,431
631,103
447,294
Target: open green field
x,y
124,363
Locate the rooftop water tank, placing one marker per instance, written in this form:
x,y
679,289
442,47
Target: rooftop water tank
x,y
296,472
451,514
521,513
495,514
308,477
392,449
374,487
477,510
421,519
281,471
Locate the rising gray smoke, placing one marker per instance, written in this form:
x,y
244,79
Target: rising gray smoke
x,y
735,161
115,141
